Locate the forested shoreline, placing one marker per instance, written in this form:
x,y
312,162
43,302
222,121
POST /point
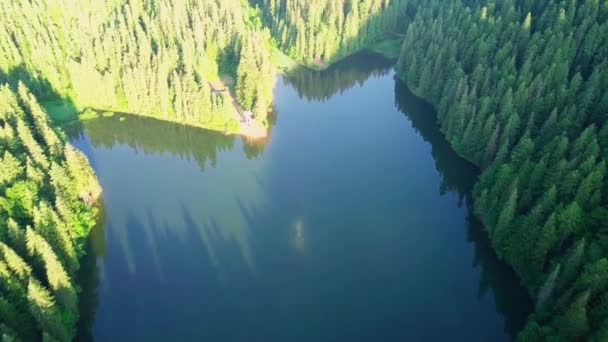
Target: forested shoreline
x,y
47,193
520,87
167,60
521,90
155,58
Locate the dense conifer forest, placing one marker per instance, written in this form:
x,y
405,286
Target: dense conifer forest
x,y
520,87
524,95
319,32
155,58
47,190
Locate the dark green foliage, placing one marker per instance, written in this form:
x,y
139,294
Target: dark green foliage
x,y
521,91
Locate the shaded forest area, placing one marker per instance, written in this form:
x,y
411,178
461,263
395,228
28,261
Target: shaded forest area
x,y
520,87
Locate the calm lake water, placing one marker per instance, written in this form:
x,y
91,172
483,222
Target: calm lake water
x,y
351,223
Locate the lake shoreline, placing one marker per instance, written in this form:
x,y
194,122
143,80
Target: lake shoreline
x,y
255,130
221,218
386,48
417,94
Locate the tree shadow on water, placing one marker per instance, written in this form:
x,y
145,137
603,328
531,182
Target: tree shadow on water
x,y
223,271
498,279
459,176
227,254
89,277
321,85
200,280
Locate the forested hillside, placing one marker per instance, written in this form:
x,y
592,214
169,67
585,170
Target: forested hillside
x,y
319,32
46,189
165,58
154,58
520,86
521,89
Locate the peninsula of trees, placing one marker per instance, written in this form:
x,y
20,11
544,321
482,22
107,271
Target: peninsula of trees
x,y
520,87
154,58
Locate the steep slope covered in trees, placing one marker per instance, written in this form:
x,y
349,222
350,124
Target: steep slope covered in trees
x,y
44,221
153,58
523,92
320,31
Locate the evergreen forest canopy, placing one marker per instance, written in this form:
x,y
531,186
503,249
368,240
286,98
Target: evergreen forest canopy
x,y
46,187
520,86
322,31
154,58
524,95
